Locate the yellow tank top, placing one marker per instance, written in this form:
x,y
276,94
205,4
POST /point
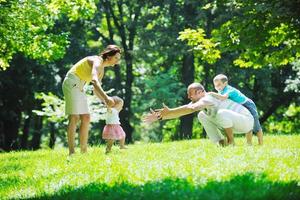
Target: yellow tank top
x,y
83,70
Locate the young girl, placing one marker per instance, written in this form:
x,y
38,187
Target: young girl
x,y
226,91
113,130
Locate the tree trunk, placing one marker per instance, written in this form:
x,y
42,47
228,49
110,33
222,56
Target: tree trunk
x,y
10,130
2,141
52,136
37,134
204,134
126,112
24,137
186,122
10,135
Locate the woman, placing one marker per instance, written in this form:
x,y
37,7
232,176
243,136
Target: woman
x,y
88,69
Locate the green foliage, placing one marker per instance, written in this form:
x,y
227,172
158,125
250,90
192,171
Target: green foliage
x,y
293,83
52,107
164,89
74,9
175,170
170,129
153,92
203,48
261,39
285,121
28,27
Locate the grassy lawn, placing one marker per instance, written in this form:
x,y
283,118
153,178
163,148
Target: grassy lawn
x,y
194,169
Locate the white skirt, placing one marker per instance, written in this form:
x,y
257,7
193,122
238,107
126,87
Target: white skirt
x,y
75,98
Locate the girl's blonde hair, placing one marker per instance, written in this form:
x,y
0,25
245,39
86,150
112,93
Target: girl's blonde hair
x,y
117,100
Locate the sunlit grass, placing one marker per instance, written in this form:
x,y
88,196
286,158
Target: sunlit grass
x,y
180,170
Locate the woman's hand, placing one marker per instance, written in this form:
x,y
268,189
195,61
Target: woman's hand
x,y
109,101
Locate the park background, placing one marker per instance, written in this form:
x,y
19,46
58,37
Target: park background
x,y
166,44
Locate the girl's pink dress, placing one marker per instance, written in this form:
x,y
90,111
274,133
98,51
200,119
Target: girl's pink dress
x,y
113,130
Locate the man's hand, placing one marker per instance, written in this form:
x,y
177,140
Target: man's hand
x,y
164,111
151,117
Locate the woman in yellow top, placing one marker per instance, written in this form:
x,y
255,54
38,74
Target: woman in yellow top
x,y
88,69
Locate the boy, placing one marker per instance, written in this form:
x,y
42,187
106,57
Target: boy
x,y
226,91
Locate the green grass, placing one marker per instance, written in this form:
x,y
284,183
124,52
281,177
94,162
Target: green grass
x,y
194,169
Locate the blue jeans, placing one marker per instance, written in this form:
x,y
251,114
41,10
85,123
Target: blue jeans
x,y
250,105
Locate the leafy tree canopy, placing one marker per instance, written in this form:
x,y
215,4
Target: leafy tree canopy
x,y
29,27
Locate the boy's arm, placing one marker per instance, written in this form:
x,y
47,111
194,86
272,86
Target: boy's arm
x,y
219,96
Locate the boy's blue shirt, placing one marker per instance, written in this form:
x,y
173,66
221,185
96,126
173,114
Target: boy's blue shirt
x,y
234,94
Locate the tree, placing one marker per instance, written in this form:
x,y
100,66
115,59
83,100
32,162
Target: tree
x,y
27,27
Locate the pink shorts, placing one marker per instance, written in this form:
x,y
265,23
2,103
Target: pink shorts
x,y
113,132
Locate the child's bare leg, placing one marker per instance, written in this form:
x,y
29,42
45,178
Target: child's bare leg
x,y
109,145
249,137
122,143
229,135
260,137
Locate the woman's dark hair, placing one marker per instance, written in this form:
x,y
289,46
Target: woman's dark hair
x,y
110,50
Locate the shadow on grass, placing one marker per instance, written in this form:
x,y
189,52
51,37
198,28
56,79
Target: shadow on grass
x,y
246,186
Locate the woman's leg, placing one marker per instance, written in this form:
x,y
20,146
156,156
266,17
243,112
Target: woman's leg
x,y
73,119
84,131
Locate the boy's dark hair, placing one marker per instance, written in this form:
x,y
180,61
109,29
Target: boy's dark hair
x,y
221,77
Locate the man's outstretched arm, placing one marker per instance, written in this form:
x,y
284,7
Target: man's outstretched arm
x,y
167,113
172,113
